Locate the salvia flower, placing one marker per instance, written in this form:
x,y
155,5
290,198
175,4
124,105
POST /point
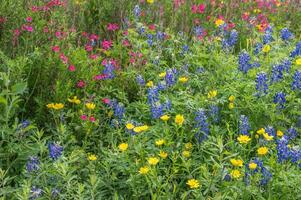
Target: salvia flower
x,y
55,150
201,125
280,100
261,83
32,164
244,126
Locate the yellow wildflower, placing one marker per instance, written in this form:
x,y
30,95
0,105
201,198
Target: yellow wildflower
x,y
163,154
92,157
90,106
231,106
188,145
266,48
235,174
130,126
160,142
298,61
219,22
193,184
268,137
260,131
212,94
144,170
244,139
74,100
262,151
153,161
162,75
186,154
183,79
252,165
164,118
150,1
237,162
231,98
279,133
123,146
150,84
179,119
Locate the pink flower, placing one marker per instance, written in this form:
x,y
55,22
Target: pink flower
x,y
58,34
92,119
80,84
45,30
71,68
88,48
93,37
106,100
34,8
56,49
201,8
194,8
16,32
152,27
126,32
93,56
29,19
63,58
99,77
84,117
112,27
106,44
125,43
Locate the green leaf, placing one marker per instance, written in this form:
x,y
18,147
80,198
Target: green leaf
x,y
19,88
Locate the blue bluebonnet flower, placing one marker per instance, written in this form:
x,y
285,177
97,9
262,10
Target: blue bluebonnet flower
x,y
286,34
35,193
55,192
266,176
268,37
118,109
185,49
244,126
201,125
25,124
291,133
261,83
152,95
199,31
247,178
296,51
170,77
244,62
283,152
280,100
109,71
55,150
157,110
227,177
137,11
141,30
295,155
270,131
296,84
277,73
214,113
200,70
230,39
167,105
258,48
149,39
286,65
140,80
160,35
32,164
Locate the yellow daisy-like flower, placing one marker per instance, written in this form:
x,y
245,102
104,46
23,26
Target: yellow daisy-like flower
x,y
164,118
252,165
219,22
123,146
244,139
150,1
74,100
298,61
231,98
179,119
266,48
50,105
150,84
92,157
260,131
90,106
268,137
235,174
193,184
129,126
261,151
186,154
279,133
212,94
144,170
237,162
160,142
188,145
153,160
57,106
183,79
163,154
231,106
162,75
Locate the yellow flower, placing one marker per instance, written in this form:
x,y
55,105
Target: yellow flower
x,y
212,94
298,61
163,154
244,139
179,119
150,84
144,127
164,118
50,105
150,1
183,79
262,151
231,106
74,100
130,126
137,129
152,160
144,170
90,106
231,98
279,133
267,137
186,154
252,165
92,157
160,142
188,145
162,75
123,146
260,131
58,106
219,22
193,184
237,163
235,173
266,48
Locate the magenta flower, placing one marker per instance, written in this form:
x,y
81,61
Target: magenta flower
x,y
106,44
56,49
112,27
29,19
81,84
84,117
71,68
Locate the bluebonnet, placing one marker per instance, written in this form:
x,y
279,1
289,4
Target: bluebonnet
x,y
277,73
109,71
227,177
32,164
247,178
286,34
200,70
137,11
170,77
286,63
296,84
152,95
291,133
160,35
258,48
185,49
157,110
296,51
199,31
244,126
268,37
230,39
244,62
270,131
149,39
261,83
118,109
25,124
55,192
161,86
55,150
141,30
140,80
214,113
280,100
283,152
266,176
201,125
35,193
295,155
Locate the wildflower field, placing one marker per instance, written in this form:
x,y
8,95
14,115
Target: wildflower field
x,y
150,99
